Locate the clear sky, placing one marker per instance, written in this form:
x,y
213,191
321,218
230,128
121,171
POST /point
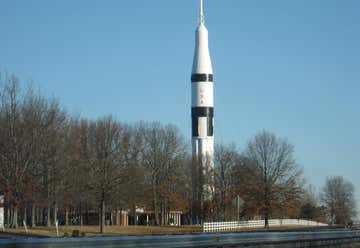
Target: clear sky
x,y
291,67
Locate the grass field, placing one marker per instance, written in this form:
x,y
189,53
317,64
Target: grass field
x,y
109,230
90,231
357,245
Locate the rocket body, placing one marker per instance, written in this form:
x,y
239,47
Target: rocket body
x,y
202,98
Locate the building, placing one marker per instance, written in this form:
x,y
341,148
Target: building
x,y
143,217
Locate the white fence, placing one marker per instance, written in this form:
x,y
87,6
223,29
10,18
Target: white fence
x,y
233,225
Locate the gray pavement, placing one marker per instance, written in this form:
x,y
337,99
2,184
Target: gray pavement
x,y
190,240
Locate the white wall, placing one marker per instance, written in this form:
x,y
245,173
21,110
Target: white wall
x,y
1,217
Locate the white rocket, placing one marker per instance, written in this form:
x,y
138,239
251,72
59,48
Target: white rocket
x,y
202,96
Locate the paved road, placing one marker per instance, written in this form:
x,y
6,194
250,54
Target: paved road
x,y
9,235
173,241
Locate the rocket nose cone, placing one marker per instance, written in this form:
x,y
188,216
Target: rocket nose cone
x,y
202,61
201,27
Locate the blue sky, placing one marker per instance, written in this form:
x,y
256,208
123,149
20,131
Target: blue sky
x,y
291,67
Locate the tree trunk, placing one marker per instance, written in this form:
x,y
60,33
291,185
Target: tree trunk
x,y
11,217
266,221
267,203
121,218
55,212
266,214
191,217
156,207
102,213
66,216
25,215
81,218
117,221
48,214
99,215
33,211
42,216
73,220
87,216
48,220
166,219
163,217
223,206
15,217
134,214
8,213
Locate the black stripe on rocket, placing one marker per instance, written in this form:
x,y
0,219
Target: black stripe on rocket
x,y
197,112
202,78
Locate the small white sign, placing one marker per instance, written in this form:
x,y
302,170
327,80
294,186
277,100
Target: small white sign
x,y
1,199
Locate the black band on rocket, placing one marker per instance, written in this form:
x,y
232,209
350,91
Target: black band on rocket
x,y
202,78
202,112
207,112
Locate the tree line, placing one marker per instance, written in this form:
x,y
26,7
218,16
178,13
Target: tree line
x,y
58,167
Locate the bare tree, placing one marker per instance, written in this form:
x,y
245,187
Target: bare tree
x,y
12,147
30,128
163,156
45,122
276,173
226,158
55,163
310,207
76,194
338,197
132,192
105,165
